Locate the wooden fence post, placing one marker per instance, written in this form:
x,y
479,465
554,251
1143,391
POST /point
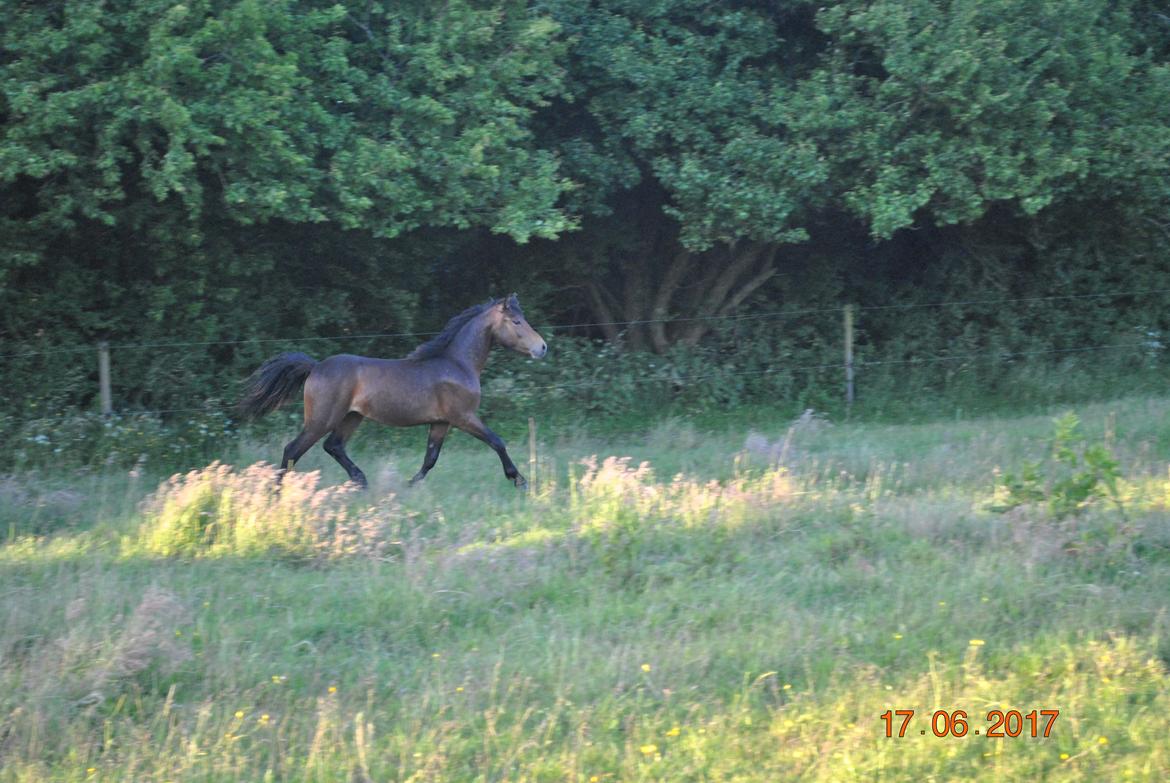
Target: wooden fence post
x,y
532,451
107,400
848,358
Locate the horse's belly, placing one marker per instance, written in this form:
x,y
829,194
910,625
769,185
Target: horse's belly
x,y
400,411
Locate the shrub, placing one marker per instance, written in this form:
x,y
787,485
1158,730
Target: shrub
x,y
1075,474
90,440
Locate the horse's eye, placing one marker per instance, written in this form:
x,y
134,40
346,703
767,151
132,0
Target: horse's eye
x,y
516,321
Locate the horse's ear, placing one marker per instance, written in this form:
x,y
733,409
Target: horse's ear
x,y
513,302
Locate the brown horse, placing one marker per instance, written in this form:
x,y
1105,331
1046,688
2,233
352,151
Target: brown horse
x,y
436,384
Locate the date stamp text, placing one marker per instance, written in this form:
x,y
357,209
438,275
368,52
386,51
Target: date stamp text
x,y
955,723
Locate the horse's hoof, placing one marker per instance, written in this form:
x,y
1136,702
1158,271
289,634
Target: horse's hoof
x,y
521,483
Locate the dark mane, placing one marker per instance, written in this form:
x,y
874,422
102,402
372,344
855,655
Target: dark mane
x,y
437,345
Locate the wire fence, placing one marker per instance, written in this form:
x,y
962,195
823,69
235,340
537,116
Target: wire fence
x,y
1001,356
682,380
727,317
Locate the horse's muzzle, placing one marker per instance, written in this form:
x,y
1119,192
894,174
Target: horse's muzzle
x,y
539,351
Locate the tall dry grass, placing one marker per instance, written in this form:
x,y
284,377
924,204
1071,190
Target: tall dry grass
x,y
221,510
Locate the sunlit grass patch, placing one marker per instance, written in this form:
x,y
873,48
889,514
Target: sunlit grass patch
x,y
223,511
31,551
611,491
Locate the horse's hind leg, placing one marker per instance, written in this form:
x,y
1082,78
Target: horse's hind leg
x,y
335,447
435,438
299,445
472,425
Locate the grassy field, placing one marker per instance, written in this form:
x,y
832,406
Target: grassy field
x,y
676,605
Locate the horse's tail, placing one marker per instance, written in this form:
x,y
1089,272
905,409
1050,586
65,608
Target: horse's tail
x,y
274,382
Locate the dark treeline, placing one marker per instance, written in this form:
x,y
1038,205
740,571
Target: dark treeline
x,y
222,170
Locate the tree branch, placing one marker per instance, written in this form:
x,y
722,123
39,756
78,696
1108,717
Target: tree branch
x,y
749,288
721,300
602,310
679,266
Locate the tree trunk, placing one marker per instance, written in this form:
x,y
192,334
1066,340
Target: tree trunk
x,y
675,274
729,290
680,301
599,300
635,305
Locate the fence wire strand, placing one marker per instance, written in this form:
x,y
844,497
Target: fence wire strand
x,y
731,317
683,380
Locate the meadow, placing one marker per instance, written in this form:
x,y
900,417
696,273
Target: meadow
x,y
688,603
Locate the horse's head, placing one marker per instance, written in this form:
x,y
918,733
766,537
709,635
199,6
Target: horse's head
x,y
511,330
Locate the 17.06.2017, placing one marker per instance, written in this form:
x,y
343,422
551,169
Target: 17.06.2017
x,y
1012,723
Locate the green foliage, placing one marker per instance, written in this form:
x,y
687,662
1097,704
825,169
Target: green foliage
x,y
901,113
690,92
743,364
91,440
386,118
1076,473
938,111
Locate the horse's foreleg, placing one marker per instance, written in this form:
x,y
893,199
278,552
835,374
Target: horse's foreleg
x,y
435,438
473,426
335,447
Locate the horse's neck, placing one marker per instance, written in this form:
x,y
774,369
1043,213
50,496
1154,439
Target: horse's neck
x,y
472,344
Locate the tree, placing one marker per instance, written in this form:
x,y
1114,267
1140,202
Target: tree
x,y
682,96
158,159
934,112
747,122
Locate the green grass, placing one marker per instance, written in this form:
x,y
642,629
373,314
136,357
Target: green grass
x,y
743,608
